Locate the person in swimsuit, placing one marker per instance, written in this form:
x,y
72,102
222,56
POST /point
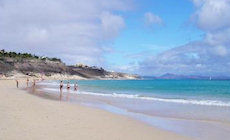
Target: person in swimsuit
x,y
68,86
61,85
75,86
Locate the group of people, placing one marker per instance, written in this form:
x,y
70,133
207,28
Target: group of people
x,y
27,82
61,84
68,86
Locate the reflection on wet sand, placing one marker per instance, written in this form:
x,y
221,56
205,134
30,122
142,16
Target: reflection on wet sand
x,y
33,88
60,96
67,95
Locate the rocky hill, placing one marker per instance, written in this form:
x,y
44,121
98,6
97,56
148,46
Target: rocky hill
x,y
12,64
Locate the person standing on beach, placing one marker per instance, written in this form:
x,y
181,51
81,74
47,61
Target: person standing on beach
x,y
61,85
75,86
68,86
27,82
17,83
34,83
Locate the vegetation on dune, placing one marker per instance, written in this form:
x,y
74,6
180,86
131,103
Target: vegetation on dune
x,y
4,53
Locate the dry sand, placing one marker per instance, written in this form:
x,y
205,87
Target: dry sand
x,y
27,117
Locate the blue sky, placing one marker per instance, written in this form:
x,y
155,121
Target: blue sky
x,y
137,37
148,37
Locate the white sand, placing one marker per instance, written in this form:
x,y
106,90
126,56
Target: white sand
x,y
27,117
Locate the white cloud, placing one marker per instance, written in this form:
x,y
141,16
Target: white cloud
x,y
127,68
221,50
110,29
74,30
151,19
212,14
37,35
219,37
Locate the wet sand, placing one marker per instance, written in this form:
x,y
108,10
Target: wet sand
x,y
24,116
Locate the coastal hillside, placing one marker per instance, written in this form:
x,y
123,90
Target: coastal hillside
x,y
14,64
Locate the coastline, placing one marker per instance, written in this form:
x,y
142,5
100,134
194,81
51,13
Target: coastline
x,y
184,119
29,117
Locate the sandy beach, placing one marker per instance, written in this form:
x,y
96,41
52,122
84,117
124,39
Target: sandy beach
x,y
24,116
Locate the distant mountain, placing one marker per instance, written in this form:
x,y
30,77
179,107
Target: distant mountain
x,y
176,76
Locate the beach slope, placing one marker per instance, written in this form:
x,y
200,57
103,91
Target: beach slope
x,y
25,116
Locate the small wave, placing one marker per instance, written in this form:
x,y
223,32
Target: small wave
x,y
195,102
51,89
52,83
48,83
136,96
182,101
56,90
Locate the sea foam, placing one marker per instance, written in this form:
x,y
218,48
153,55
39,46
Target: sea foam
x,y
182,101
136,96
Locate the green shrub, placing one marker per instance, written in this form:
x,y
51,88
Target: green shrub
x,y
19,56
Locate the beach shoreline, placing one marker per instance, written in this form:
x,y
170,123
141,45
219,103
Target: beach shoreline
x,y
29,117
158,114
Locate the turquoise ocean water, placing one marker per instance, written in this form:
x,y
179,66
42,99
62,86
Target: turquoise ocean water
x,y
204,92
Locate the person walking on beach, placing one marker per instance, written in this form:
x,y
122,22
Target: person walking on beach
x,y
61,85
75,86
68,86
17,83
